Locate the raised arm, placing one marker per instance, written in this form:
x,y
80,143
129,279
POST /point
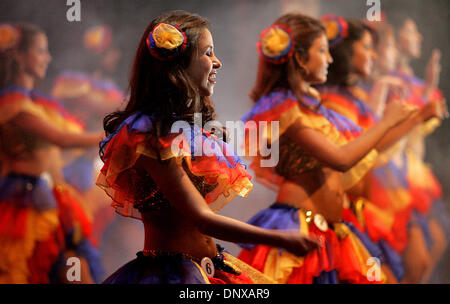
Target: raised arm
x,y
342,158
182,194
39,127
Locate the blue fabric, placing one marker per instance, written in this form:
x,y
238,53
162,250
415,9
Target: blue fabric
x,y
161,270
200,142
393,259
27,191
372,247
269,101
327,277
278,216
80,173
86,250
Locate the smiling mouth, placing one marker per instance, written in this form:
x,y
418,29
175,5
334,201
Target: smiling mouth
x,y
212,78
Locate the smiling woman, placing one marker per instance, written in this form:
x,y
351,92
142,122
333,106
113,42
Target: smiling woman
x,y
174,192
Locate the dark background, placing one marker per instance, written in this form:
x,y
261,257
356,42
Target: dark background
x,y
235,28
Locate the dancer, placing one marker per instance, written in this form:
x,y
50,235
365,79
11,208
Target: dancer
x,y
422,180
314,151
164,177
352,47
31,232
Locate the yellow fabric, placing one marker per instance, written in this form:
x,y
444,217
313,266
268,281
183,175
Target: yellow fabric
x,y
9,36
14,252
332,29
418,171
24,104
357,172
279,265
167,36
9,110
275,42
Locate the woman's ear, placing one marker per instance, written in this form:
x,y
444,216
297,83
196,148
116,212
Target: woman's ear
x,y
299,60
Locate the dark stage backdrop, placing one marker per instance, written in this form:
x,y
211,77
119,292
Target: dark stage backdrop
x,y
235,27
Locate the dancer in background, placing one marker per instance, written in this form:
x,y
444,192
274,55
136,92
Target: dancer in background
x,y
91,95
352,46
175,182
318,159
32,234
423,182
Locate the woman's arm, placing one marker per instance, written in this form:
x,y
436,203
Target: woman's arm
x,y
182,194
345,157
39,127
431,109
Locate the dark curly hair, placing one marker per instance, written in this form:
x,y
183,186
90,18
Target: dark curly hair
x,y
340,69
304,30
162,89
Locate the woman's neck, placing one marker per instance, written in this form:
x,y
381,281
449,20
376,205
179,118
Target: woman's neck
x,y
404,64
24,80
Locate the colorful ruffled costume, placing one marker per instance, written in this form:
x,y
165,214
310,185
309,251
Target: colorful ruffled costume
x,y
36,220
343,256
392,189
212,166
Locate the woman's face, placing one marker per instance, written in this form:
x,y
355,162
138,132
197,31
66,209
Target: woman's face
x,y
409,39
35,60
387,54
204,64
363,55
318,61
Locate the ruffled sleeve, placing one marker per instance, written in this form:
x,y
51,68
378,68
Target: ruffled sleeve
x,y
15,100
205,156
283,108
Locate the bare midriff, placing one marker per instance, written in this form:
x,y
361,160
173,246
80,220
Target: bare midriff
x,y
319,191
34,164
168,230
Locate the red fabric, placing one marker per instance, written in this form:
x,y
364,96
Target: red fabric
x,y
378,194
255,257
13,220
45,254
349,268
323,259
349,217
421,200
376,229
400,230
70,212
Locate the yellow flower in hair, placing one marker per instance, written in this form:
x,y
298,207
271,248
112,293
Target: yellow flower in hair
x,y
275,42
94,37
167,36
8,37
332,29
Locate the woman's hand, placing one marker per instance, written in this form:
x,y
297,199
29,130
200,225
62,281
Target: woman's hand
x,y
435,108
433,70
300,244
397,111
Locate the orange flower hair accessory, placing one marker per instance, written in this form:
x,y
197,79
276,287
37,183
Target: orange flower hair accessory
x,y
166,41
9,38
336,28
275,44
98,38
